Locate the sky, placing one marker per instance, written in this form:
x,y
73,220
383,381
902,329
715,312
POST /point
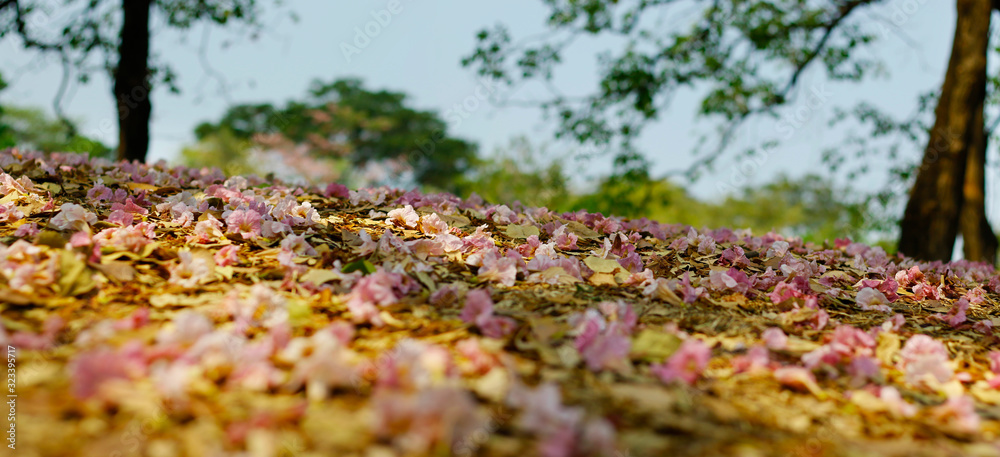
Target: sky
x,y
418,52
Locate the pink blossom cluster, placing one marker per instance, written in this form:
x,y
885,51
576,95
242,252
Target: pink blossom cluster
x,y
378,289
478,310
27,268
603,336
562,431
686,364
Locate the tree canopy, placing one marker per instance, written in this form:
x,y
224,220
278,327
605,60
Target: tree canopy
x,y
116,35
343,120
749,58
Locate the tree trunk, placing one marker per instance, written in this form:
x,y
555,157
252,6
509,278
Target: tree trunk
x,y
980,243
132,81
931,220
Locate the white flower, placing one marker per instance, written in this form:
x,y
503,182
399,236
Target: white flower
x,y
73,217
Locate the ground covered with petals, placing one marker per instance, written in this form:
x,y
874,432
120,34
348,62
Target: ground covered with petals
x,y
159,311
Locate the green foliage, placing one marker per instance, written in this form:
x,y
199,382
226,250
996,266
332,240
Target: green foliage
x,y
811,206
221,149
343,120
30,128
91,28
513,174
6,132
749,55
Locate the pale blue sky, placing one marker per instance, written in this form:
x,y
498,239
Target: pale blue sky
x,y
418,53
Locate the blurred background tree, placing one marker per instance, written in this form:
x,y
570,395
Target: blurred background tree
x,y
357,136
31,128
515,174
118,33
748,59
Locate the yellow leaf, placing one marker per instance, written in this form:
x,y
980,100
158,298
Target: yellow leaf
x,y
137,186
74,277
600,265
653,345
558,275
522,231
581,230
602,279
319,276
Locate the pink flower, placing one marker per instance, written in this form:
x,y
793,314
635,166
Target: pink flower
x,y
207,230
188,326
9,213
89,370
777,249
774,338
528,248
432,224
757,358
329,364
73,217
604,346
894,323
418,423
924,290
686,364
784,291
336,190
244,222
502,215
80,239
191,271
27,230
274,229
445,295
498,269
121,218
298,245
733,280
922,358
479,311
129,238
907,278
562,431
891,397
377,289
956,316
984,326
368,245
688,292
797,378
45,340
263,307
734,256
565,239
129,207
959,413
404,217
889,287
846,344
872,300
227,256
480,358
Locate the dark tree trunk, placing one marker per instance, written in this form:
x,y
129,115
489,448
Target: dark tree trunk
x,y
132,81
931,220
980,243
